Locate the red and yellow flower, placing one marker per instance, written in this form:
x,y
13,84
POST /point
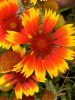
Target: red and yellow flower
x,y
22,85
8,20
10,58
48,49
10,79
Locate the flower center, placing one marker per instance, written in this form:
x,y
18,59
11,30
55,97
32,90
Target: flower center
x,y
40,44
12,24
9,59
20,77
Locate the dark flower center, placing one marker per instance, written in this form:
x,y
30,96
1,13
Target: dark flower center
x,y
9,59
41,44
12,24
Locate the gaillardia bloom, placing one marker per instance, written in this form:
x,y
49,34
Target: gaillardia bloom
x,y
10,79
10,58
48,49
22,85
8,20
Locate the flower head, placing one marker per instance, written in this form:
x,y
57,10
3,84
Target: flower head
x,y
23,85
47,95
10,58
50,4
8,20
48,48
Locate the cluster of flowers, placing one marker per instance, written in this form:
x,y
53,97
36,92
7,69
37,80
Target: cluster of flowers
x,y
47,50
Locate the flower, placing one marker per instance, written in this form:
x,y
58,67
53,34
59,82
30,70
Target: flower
x,y
9,78
3,98
47,95
50,4
10,58
48,48
8,20
22,85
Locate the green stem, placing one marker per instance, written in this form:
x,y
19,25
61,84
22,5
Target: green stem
x,y
68,77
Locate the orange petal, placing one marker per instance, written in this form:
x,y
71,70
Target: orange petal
x,y
51,66
60,63
40,70
20,65
64,31
30,87
63,53
6,8
29,66
30,21
18,91
50,20
3,42
16,38
65,41
26,88
5,78
34,86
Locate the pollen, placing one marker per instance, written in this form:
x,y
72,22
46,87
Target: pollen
x,y
9,59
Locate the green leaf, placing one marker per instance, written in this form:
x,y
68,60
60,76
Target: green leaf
x,y
63,97
25,45
50,86
69,91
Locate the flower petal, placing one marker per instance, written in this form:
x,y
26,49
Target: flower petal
x,y
5,78
60,63
67,41
5,43
6,8
40,70
64,31
29,66
18,91
63,53
30,21
16,38
34,88
51,66
26,88
50,20
19,49
20,65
